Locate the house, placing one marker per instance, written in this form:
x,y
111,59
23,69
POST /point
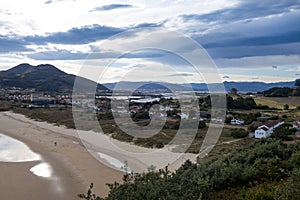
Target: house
x,y
216,120
297,135
266,129
296,125
237,122
184,116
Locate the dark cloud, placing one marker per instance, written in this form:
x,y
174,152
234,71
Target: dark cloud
x,y
144,54
247,10
267,31
278,35
13,44
49,2
58,55
54,1
251,51
148,25
251,28
181,74
85,34
82,35
111,7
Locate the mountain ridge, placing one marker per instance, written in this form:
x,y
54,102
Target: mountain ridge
x,y
43,77
244,86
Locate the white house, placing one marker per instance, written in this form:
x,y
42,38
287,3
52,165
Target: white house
x,y
237,122
296,125
267,128
184,116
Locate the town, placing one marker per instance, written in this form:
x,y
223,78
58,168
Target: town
x,y
245,118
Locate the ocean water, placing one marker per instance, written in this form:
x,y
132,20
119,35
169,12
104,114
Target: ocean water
x,y
42,169
114,162
12,150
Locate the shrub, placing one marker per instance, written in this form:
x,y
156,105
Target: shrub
x,y
239,133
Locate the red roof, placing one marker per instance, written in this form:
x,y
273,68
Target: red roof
x,y
297,123
270,123
264,128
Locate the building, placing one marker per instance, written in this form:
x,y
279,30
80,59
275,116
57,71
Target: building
x,y
237,122
266,129
296,125
184,116
36,96
297,135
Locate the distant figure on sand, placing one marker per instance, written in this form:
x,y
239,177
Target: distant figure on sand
x,y
55,143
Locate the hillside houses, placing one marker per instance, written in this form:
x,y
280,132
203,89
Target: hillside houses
x,y
266,128
296,125
237,122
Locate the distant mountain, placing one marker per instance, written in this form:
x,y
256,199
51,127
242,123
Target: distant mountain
x,y
240,86
43,77
161,86
255,86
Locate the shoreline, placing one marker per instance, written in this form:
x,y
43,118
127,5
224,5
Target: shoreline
x,y
71,162
73,154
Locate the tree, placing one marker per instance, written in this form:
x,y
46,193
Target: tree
x,y
201,125
286,107
89,195
281,132
239,133
228,119
254,168
233,91
291,189
297,82
252,127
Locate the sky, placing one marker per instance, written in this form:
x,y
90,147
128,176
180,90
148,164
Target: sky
x,y
237,40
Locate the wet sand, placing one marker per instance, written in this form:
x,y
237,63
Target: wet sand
x,y
74,168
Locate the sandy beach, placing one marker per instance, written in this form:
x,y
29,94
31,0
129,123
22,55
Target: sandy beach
x,y
74,166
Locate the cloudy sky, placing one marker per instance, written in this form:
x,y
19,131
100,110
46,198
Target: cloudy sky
x,y
257,40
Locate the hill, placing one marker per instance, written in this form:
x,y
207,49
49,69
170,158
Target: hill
x,y
158,86
45,77
283,91
240,86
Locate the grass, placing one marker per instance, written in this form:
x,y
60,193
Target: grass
x,y
278,102
64,116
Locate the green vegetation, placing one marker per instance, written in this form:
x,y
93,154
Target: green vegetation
x,y
278,102
282,92
241,103
57,116
5,106
239,133
267,169
297,82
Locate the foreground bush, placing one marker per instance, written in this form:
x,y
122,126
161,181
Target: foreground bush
x,y
264,162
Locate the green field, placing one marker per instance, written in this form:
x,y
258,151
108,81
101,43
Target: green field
x,y
278,102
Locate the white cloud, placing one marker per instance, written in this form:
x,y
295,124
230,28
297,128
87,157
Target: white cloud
x,y
36,17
